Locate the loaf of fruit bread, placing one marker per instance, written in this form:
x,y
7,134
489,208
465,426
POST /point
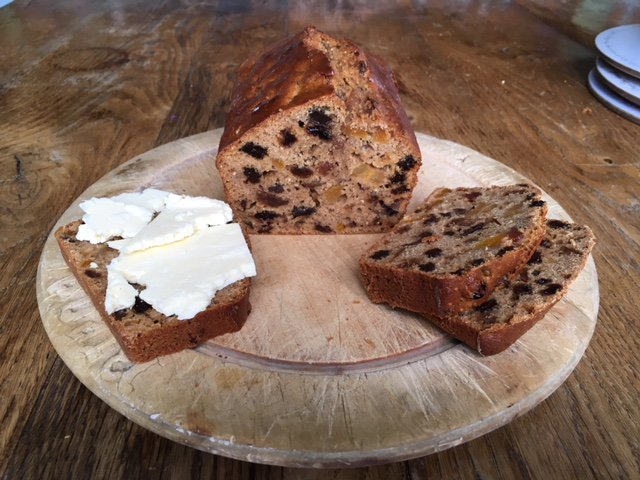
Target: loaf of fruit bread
x,y
517,304
142,332
451,252
316,141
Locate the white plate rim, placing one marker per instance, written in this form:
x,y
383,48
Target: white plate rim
x,y
613,56
610,75
611,100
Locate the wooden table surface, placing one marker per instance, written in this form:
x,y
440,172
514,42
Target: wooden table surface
x,y
84,86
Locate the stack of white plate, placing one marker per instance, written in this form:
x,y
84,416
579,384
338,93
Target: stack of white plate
x,y
615,80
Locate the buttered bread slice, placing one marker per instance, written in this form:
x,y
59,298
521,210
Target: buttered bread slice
x,y
143,332
166,272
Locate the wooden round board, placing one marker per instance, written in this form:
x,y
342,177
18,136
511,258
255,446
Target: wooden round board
x,y
319,376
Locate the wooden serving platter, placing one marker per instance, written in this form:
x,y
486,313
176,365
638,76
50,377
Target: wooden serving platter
x,y
319,376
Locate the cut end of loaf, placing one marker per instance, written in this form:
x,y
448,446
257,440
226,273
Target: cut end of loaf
x,y
316,141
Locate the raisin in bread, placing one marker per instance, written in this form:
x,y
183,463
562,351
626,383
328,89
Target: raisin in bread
x,y
517,305
142,332
451,252
316,141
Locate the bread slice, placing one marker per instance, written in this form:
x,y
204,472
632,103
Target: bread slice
x,y
517,305
142,332
317,141
450,253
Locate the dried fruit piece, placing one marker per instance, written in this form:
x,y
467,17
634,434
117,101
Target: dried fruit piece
x,y
266,215
319,124
380,254
323,228
287,138
535,258
368,174
504,250
551,289
325,168
515,235
488,305
140,306
302,211
472,196
356,132
381,136
91,273
433,253
302,172
427,267
557,224
398,177
407,163
475,228
522,289
252,175
332,194
278,164
390,211
255,150
430,219
271,200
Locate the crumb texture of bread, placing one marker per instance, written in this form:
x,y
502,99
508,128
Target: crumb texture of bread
x,y
518,303
142,332
316,141
450,253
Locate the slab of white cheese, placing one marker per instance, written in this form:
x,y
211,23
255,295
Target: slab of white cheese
x,y
182,277
120,293
121,216
150,198
181,218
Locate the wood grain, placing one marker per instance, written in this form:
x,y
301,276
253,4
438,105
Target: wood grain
x,y
506,79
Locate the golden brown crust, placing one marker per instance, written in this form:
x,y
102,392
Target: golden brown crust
x,y
388,97
183,334
289,74
495,340
292,73
143,339
490,341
